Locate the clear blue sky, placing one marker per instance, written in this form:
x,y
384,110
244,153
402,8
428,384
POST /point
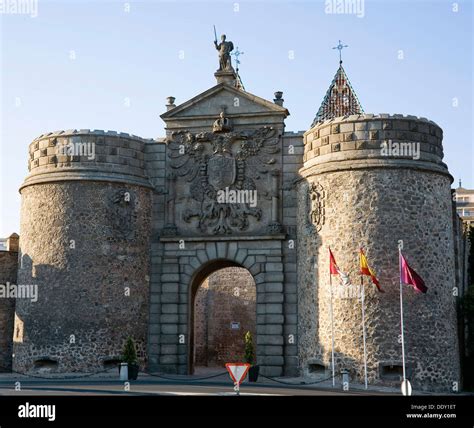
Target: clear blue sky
x,y
135,55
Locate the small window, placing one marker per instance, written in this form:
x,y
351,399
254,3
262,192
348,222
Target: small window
x,y
391,372
46,363
113,362
315,368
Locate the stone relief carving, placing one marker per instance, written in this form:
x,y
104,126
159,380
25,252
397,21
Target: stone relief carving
x,y
317,200
222,124
214,161
122,214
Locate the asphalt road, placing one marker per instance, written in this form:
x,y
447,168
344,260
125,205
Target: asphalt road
x,y
177,389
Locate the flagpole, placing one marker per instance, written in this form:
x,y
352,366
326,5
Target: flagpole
x,y
363,327
401,319
332,329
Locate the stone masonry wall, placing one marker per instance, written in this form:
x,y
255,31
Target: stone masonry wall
x,y
201,235
87,154
292,160
227,296
185,267
8,274
373,201
92,280
85,225
155,157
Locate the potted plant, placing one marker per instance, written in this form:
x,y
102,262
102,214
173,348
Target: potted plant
x,y
249,357
129,359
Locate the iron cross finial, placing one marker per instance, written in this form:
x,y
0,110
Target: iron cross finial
x,y
237,53
340,47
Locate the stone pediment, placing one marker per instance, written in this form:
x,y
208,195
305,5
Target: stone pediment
x,y
237,102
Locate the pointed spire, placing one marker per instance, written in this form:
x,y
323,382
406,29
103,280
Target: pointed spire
x,y
238,80
340,99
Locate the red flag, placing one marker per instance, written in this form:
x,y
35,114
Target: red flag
x,y
409,277
333,269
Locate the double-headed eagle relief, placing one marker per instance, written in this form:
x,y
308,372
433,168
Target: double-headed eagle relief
x,y
223,161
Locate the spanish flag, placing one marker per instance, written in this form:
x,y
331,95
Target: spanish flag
x,y
365,269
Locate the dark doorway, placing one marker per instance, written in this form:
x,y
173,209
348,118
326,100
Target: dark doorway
x,y
223,311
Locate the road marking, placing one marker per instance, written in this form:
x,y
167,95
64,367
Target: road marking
x,y
230,394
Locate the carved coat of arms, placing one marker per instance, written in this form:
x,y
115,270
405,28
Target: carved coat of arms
x,y
221,171
317,199
215,161
122,213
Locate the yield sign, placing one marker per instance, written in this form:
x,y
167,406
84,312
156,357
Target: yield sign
x,y
237,371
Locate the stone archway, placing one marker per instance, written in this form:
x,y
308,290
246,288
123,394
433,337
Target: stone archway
x,y
184,267
223,307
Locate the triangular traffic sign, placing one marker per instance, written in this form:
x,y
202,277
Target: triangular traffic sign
x,y
237,371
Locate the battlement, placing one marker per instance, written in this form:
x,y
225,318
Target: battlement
x,y
294,133
371,116
369,136
93,132
86,154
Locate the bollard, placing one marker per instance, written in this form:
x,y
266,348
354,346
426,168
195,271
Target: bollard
x,y
345,380
123,371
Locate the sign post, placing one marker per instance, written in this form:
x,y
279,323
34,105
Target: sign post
x,y
237,372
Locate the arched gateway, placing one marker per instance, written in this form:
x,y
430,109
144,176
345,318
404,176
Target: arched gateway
x,y
263,258
223,310
227,194
226,187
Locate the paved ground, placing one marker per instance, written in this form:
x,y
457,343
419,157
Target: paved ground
x,y
108,384
205,381
107,388
159,388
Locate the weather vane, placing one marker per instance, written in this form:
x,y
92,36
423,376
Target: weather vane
x,y
237,53
340,47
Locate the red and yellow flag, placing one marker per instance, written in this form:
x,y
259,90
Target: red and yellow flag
x,y
365,269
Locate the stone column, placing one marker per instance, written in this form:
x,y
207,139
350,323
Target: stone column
x,y
275,225
170,228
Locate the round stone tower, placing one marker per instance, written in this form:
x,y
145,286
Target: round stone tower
x,y
85,226
371,181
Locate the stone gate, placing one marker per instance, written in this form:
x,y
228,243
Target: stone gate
x,y
146,221
225,199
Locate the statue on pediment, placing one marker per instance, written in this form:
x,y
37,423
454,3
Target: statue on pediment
x,y
224,48
222,124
